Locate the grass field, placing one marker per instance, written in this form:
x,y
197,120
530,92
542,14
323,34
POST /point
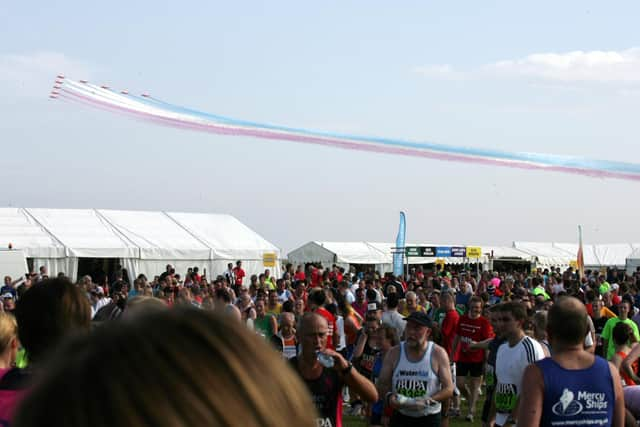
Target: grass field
x,y
349,421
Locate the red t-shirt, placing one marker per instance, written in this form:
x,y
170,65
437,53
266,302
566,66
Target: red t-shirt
x,y
331,320
449,327
315,278
361,309
589,308
239,273
300,276
472,330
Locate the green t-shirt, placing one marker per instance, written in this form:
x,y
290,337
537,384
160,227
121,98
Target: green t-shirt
x,y
539,290
21,359
263,326
607,333
604,288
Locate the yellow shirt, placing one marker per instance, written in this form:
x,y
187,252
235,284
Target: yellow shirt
x,y
275,311
405,311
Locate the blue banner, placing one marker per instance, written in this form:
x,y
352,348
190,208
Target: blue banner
x,y
443,251
398,264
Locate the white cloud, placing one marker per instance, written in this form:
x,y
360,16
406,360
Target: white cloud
x,y
598,66
594,66
33,74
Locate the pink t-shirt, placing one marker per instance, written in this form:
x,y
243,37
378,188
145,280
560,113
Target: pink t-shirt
x,y
9,399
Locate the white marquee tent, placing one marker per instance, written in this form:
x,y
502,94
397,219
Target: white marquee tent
x,y
562,254
143,241
342,254
379,254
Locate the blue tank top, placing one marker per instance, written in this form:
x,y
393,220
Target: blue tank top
x,y
575,397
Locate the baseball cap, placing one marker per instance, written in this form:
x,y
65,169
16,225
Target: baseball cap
x,y
7,295
373,306
420,318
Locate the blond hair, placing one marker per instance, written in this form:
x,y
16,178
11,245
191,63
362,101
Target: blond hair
x,y
8,329
191,367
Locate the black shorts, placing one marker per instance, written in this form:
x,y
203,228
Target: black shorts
x,y
466,368
399,420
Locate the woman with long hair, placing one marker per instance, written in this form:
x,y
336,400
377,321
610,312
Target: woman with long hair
x,y
179,367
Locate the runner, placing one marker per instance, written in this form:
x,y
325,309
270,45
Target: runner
x,y
491,346
416,376
325,383
366,350
285,340
472,327
448,319
317,299
573,387
265,324
623,316
512,358
388,336
623,339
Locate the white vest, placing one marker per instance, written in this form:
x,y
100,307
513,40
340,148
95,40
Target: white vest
x,y
415,380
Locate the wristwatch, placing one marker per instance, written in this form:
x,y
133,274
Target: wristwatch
x,y
347,370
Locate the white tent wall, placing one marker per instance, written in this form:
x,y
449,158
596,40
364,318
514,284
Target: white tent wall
x,y
633,261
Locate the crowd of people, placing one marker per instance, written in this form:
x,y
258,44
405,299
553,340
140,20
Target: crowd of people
x,y
542,347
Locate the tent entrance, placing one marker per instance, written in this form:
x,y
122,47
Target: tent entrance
x,y
99,269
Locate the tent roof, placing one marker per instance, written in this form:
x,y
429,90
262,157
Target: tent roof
x,y
225,235
21,230
546,253
84,233
357,252
157,235
505,252
92,233
595,255
635,254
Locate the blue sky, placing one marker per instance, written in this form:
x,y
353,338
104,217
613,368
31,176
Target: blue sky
x,y
556,77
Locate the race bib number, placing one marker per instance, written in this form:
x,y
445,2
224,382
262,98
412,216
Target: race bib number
x,y
411,388
506,397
